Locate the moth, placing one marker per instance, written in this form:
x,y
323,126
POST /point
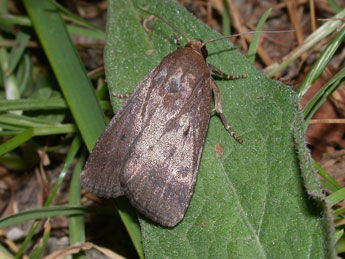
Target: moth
x,y
151,149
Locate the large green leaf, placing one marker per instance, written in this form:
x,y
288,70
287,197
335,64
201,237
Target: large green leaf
x,y
249,201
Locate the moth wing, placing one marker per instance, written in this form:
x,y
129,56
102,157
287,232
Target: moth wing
x,y
102,169
162,164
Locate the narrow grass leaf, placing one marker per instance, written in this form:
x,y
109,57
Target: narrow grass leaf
x,y
4,253
338,234
321,96
323,173
25,21
47,212
18,49
36,254
24,75
40,104
336,197
314,38
68,69
321,63
11,88
339,211
76,143
76,223
16,141
72,17
256,36
226,21
334,5
86,32
11,19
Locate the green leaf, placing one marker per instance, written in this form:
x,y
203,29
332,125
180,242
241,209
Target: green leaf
x,y
250,201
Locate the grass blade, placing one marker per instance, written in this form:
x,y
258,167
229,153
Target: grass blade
x,y
68,69
255,40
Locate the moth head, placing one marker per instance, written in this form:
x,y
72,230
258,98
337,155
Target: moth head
x,y
199,46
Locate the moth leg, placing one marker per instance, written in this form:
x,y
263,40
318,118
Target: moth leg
x,y
220,73
178,41
121,96
219,110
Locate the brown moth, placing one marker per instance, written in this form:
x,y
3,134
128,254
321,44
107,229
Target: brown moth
x,y
150,151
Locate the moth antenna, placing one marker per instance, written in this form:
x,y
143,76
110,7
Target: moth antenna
x,y
165,21
240,34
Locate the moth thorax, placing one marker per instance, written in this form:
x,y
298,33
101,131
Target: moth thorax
x,y
198,46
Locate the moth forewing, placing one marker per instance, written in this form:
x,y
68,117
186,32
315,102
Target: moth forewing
x,y
151,149
162,165
102,169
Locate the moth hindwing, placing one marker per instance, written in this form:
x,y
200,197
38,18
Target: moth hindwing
x,y
151,149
